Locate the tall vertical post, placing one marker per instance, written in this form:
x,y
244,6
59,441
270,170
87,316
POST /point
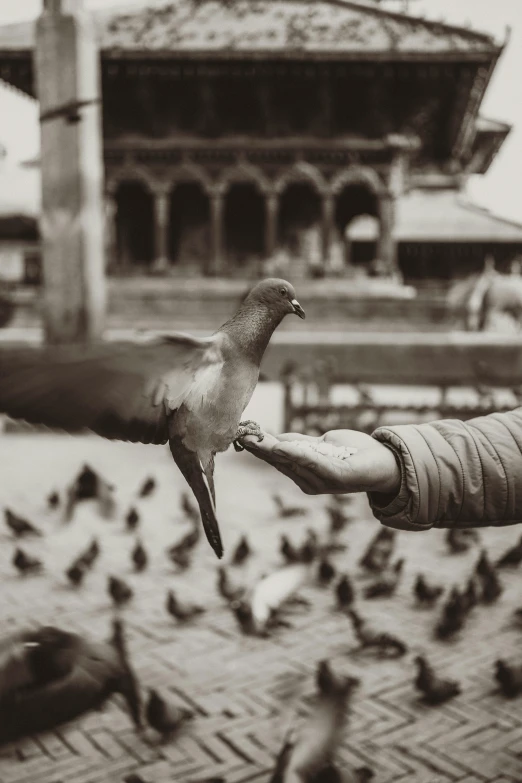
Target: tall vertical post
x,y
272,208
110,231
161,229
386,244
68,86
327,226
216,218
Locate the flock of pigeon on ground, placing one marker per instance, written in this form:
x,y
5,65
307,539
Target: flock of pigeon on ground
x,y
49,676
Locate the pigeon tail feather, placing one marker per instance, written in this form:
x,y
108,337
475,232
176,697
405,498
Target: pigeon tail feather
x,y
202,485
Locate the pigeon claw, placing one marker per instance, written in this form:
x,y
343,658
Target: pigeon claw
x,y
247,428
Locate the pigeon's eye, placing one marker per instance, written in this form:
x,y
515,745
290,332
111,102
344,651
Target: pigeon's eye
x,y
283,291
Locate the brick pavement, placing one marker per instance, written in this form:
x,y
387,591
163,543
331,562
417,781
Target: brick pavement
x,y
236,684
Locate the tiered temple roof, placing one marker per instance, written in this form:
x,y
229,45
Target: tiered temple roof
x,y
324,27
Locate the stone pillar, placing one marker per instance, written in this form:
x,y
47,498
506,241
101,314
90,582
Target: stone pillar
x,y
272,213
66,62
161,198
386,244
327,225
112,260
216,217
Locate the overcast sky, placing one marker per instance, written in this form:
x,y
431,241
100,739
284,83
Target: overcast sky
x,y
501,189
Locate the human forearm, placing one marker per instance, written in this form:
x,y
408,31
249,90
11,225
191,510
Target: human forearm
x,y
455,474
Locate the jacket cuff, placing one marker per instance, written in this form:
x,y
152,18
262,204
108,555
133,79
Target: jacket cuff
x,y
417,497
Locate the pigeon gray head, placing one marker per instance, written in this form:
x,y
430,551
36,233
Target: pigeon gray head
x,y
278,295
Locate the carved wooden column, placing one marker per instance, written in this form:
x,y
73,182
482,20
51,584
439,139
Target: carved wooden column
x,y
272,214
161,198
217,202
110,233
328,204
386,243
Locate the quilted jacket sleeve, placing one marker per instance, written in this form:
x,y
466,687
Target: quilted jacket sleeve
x,y
455,474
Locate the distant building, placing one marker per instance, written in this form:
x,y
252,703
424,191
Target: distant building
x,y
246,137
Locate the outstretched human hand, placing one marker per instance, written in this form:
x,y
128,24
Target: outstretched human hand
x,y
371,467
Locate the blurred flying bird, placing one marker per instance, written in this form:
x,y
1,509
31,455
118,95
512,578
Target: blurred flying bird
x,y
425,593
49,676
227,590
512,557
241,552
119,591
19,526
139,556
379,551
182,611
53,500
187,391
260,610
309,751
509,678
388,582
163,717
285,510
132,519
25,564
147,488
381,642
344,592
435,690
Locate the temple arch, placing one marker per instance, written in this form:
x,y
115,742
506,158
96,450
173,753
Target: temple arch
x,y
354,202
300,226
244,227
189,240
301,172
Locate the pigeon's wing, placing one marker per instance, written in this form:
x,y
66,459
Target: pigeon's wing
x,y
123,390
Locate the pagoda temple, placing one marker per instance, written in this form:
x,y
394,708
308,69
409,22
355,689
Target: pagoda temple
x,y
302,137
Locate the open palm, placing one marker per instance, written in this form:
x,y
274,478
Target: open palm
x,y
371,468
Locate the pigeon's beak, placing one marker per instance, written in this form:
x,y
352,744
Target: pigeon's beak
x,y
298,310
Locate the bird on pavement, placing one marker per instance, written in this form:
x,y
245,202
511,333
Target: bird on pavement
x,y
491,586
241,552
226,589
19,526
90,555
388,582
163,717
119,591
147,488
344,592
49,676
139,556
325,571
512,557
426,593
187,391
461,540
26,564
132,520
379,551
382,643
435,690
53,500
287,510
509,678
75,573
182,611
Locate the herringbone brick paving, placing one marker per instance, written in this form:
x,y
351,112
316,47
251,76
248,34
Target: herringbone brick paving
x,y
235,684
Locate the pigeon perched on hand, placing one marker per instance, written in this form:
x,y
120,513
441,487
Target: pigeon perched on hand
x,y
187,391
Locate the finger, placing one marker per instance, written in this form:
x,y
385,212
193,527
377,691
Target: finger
x,y
265,445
